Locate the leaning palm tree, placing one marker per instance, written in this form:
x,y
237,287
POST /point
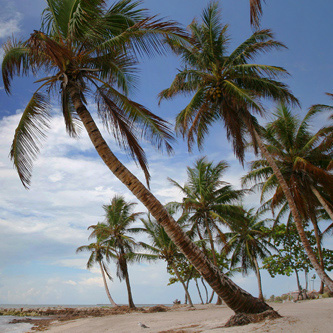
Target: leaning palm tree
x,y
304,159
85,47
227,88
98,253
246,243
163,247
115,235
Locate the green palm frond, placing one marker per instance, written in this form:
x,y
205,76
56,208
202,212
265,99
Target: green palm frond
x,y
29,135
15,62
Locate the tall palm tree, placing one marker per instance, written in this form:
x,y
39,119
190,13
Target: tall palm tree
x,y
227,87
115,235
98,252
304,159
246,242
209,200
85,47
164,248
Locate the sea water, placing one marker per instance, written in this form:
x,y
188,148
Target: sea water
x,y
5,327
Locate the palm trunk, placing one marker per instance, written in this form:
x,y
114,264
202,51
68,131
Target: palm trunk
x,y
106,286
199,292
211,241
298,285
296,216
129,291
235,297
258,278
322,202
183,283
320,252
203,283
124,269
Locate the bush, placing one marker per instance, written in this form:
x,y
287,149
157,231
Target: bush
x,y
278,299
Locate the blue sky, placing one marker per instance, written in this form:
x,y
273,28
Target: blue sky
x,y
41,228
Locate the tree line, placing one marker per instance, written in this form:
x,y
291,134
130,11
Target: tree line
x,y
87,48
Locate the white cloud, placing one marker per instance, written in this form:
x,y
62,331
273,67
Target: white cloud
x,y
10,26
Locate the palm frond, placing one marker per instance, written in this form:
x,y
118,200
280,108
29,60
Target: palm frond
x,y
28,136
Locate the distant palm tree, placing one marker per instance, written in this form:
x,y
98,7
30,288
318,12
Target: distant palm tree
x,y
98,252
247,242
85,48
163,247
209,200
115,235
227,88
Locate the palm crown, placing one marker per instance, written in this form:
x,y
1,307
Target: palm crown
x,y
87,47
225,86
303,157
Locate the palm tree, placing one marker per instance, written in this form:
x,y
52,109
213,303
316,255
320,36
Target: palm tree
x,y
304,159
164,248
98,252
209,200
228,88
114,233
86,47
246,242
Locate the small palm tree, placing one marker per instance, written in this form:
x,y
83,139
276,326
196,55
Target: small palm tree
x,y
227,88
115,235
208,200
246,242
164,248
98,253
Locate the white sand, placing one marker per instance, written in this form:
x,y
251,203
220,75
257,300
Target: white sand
x,y
306,316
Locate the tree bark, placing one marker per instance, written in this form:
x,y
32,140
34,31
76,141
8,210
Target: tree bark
x,y
258,278
106,286
296,216
235,297
183,283
322,202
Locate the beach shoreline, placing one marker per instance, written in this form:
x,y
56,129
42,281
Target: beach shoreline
x,y
302,316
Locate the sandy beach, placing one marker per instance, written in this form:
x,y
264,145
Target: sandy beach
x,y
304,316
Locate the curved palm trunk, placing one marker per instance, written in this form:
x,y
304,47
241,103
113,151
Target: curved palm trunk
x,y
258,278
235,297
297,218
322,202
183,283
106,286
